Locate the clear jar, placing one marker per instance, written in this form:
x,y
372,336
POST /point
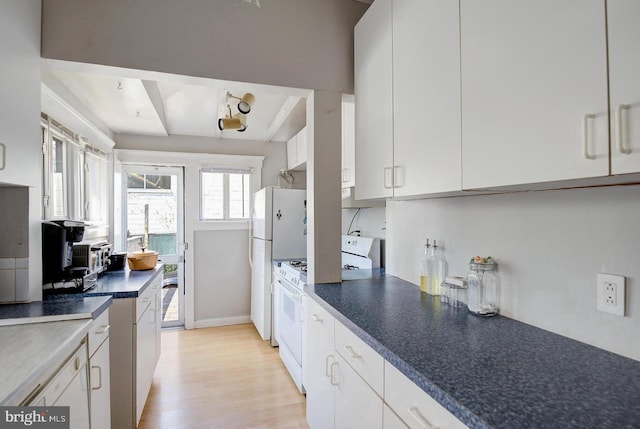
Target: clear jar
x,y
483,289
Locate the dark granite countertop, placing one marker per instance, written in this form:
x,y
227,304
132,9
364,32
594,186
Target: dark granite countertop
x,y
54,310
117,284
489,372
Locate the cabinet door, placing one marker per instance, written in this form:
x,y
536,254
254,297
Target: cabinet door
x,y
301,147
292,153
391,421
100,388
348,144
374,102
426,97
534,91
356,405
20,136
318,357
145,357
624,85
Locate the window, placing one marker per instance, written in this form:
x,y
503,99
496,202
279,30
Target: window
x,y
75,181
224,194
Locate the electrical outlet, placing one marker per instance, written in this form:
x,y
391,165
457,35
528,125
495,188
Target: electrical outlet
x,y
611,293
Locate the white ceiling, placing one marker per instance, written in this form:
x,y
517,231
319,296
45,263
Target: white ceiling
x,y
157,104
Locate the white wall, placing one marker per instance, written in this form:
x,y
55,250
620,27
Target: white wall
x,y
223,278
294,43
371,221
549,246
275,153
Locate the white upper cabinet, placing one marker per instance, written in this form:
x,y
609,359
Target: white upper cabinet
x,y
348,144
534,91
20,135
297,151
374,102
624,84
426,97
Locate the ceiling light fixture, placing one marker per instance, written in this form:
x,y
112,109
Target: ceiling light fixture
x,y
238,121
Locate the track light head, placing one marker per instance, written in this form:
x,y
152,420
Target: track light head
x,y
246,103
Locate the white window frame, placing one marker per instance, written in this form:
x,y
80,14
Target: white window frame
x,y
225,171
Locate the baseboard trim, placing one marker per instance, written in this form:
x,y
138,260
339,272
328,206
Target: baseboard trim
x,y
225,321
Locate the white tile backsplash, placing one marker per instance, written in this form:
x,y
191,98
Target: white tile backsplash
x,y
22,285
7,263
7,285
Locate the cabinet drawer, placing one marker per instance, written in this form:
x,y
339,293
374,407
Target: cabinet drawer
x,y
52,391
390,420
364,360
147,296
99,332
417,409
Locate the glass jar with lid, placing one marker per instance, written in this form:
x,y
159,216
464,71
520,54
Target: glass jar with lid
x,y
483,285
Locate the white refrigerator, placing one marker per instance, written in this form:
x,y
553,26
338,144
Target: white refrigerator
x,y
278,232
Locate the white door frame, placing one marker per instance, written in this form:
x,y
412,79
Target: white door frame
x,y
192,162
178,258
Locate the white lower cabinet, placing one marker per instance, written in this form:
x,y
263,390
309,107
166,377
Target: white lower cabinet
x,y
99,373
69,387
319,355
413,405
391,420
349,385
356,404
135,347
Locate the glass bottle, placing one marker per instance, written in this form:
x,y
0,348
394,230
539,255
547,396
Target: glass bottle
x,y
424,271
483,287
435,269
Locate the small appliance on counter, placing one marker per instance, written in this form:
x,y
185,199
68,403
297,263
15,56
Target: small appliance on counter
x,y
68,264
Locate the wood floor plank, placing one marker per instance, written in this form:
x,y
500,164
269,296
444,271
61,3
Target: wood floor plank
x,y
224,377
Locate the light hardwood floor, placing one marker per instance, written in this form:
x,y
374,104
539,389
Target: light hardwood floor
x,y
224,377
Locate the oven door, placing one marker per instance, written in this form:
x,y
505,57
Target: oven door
x,y
289,318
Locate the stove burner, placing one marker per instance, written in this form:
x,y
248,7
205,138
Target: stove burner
x,y
295,263
303,268
350,267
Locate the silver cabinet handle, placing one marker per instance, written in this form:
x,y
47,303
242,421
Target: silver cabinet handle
x,y
334,380
415,412
3,157
385,177
315,317
585,135
353,352
619,134
327,370
104,330
99,377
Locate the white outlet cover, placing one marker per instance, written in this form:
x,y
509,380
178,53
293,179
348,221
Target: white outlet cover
x,y
619,282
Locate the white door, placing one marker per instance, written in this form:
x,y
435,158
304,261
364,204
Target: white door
x,y
426,97
624,62
152,201
289,227
374,102
534,91
261,307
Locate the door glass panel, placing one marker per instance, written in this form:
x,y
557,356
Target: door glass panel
x,y
154,221
170,292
